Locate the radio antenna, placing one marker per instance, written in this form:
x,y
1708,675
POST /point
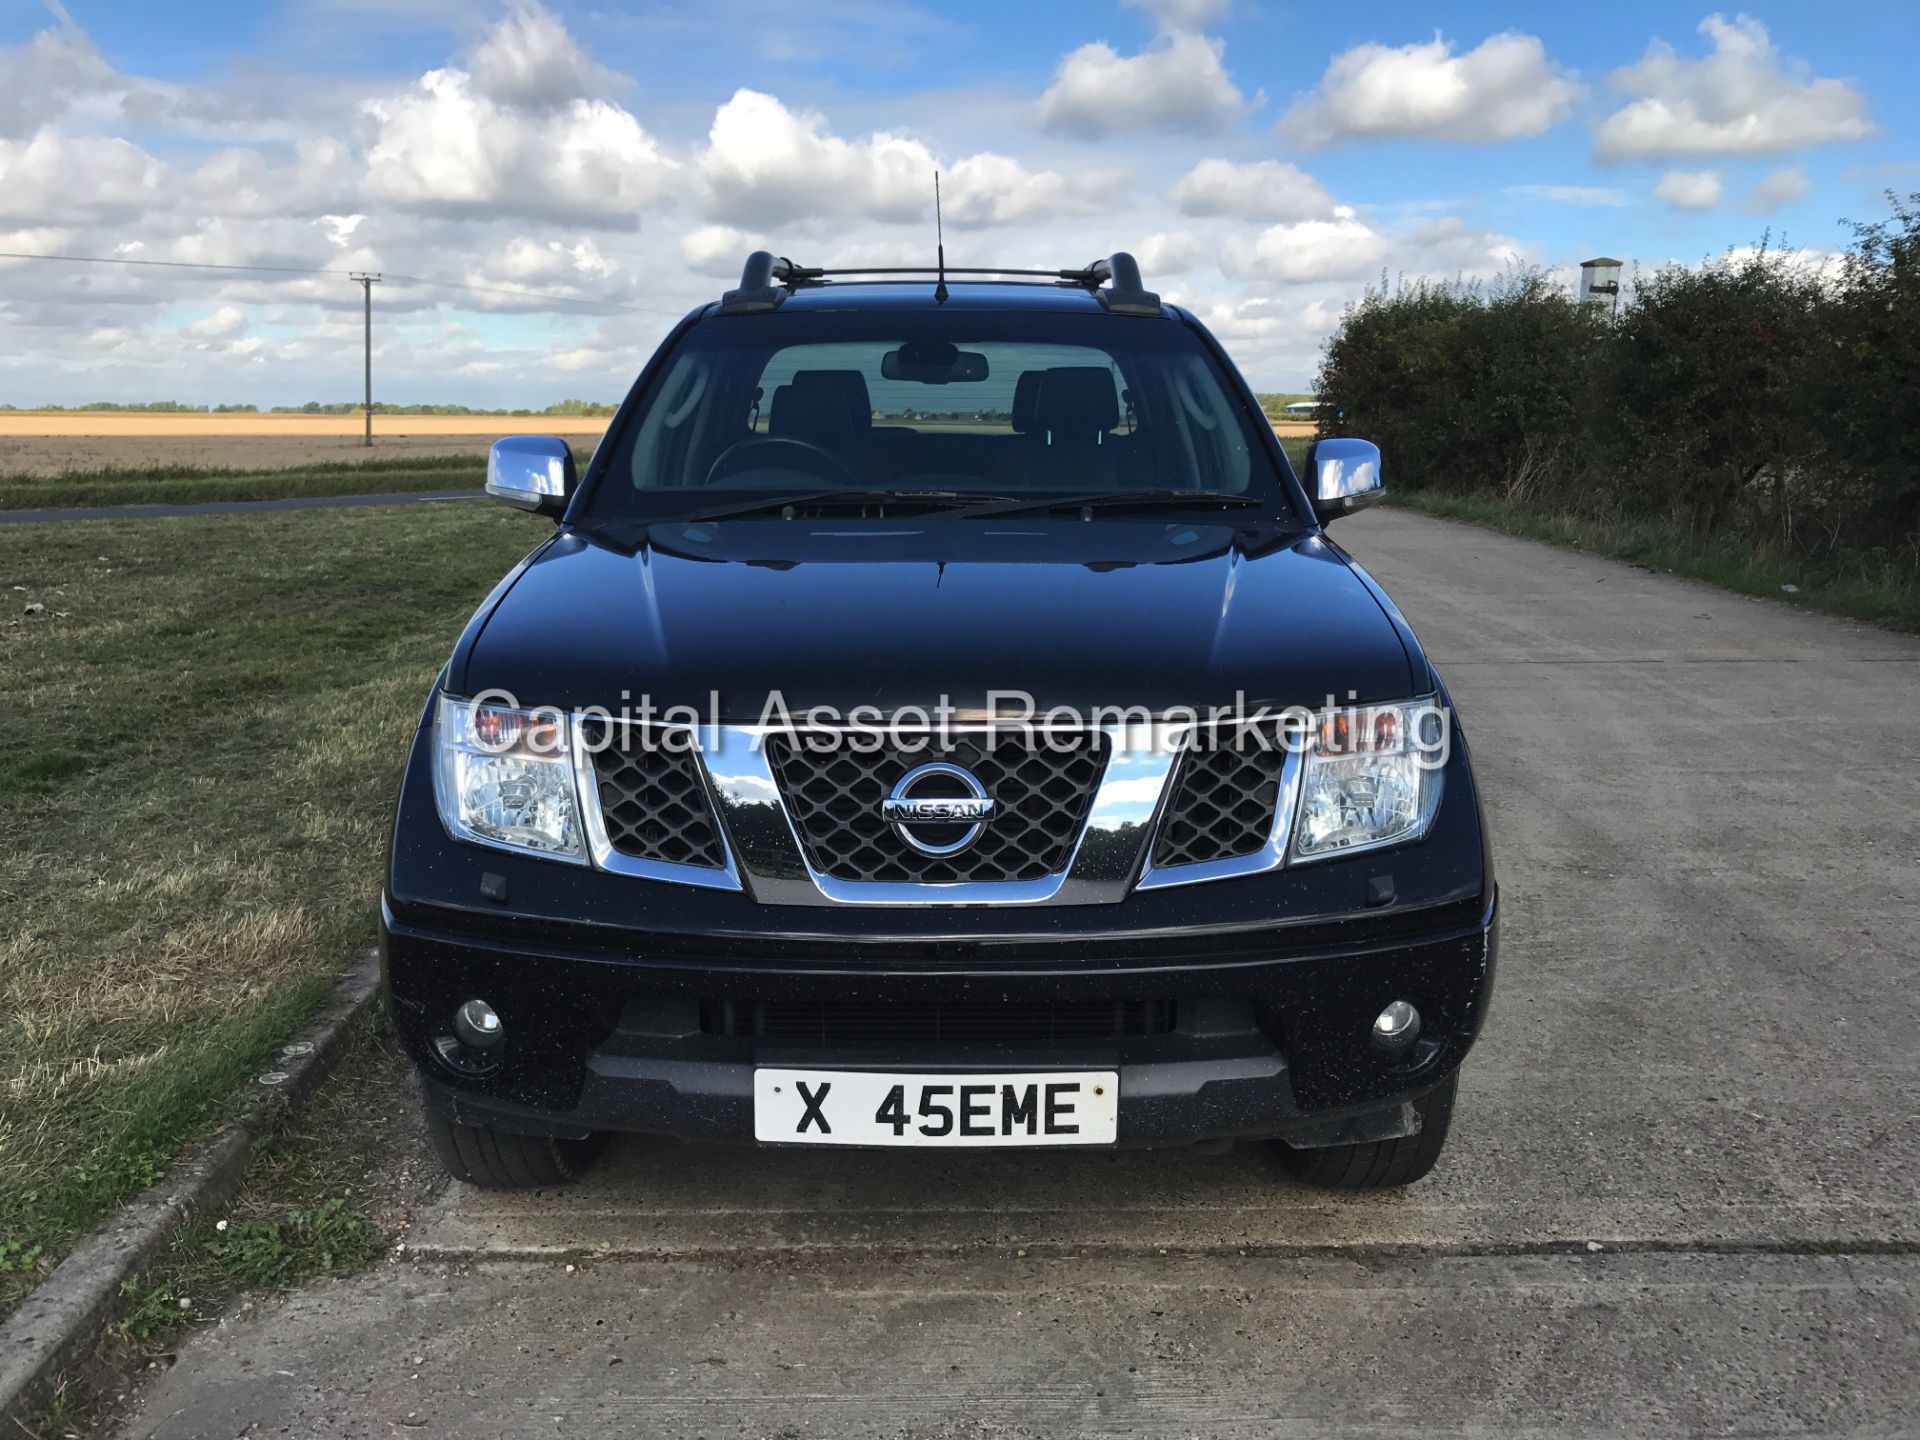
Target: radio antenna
x,y
940,244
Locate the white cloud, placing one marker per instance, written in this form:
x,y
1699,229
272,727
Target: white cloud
x,y
1782,187
1689,189
1179,83
586,358
529,59
1168,253
718,249
1817,260
551,265
319,178
1596,195
993,189
507,138
73,178
227,320
1183,14
1448,247
1341,248
43,79
765,165
1262,190
340,228
1743,99
1503,89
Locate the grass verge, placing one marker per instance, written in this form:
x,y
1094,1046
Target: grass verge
x,y
200,738
322,1198
1876,591
192,484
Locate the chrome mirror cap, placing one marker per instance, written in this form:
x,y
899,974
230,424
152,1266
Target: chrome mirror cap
x,y
532,472
1344,476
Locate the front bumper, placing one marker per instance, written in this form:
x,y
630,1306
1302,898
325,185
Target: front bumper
x,y
1267,1040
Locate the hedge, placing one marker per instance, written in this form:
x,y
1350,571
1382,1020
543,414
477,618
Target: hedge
x,y
1756,402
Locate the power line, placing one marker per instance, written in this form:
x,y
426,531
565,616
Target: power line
x,y
170,264
347,274
366,280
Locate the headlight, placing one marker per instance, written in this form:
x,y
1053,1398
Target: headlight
x,y
505,777
1370,776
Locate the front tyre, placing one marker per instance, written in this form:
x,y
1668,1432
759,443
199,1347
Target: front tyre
x,y
502,1160
1378,1164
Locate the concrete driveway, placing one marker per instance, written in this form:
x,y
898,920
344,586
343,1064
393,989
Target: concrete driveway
x,y
1680,1196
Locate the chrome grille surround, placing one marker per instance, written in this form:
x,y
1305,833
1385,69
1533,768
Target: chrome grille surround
x,y
766,854
1096,867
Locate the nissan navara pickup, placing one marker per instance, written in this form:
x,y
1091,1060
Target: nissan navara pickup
x,y
939,717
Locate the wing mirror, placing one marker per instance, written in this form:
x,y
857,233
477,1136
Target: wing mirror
x,y
1344,476
532,472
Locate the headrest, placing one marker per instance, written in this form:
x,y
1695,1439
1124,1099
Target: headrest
x,y
814,412
1026,399
1077,403
849,385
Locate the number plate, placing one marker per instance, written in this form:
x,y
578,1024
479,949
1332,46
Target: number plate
x,y
858,1107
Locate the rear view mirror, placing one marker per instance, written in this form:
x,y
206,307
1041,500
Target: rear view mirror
x,y
933,362
532,472
1343,476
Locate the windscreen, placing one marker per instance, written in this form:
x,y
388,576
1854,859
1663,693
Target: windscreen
x,y
1000,403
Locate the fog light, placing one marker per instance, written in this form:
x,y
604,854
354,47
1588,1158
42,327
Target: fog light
x,y
1396,1028
477,1025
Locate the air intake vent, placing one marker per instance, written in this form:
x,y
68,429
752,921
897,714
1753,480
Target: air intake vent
x,y
848,1023
652,796
1223,798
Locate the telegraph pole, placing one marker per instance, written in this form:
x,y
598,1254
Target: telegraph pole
x,y
367,282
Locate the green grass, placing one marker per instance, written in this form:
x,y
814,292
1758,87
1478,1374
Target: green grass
x,y
215,1257
322,1197
203,733
307,1205
1873,589
189,484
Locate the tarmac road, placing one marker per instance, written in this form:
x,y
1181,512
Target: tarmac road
x,y
230,507
1680,1195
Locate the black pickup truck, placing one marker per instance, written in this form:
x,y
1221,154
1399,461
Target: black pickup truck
x,y
939,717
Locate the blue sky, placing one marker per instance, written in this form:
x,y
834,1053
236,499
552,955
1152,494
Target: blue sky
x,y
1268,161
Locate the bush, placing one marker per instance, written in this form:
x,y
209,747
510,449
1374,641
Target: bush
x,y
1754,402
1466,387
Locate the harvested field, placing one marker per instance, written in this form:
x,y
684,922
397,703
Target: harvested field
x,y
59,442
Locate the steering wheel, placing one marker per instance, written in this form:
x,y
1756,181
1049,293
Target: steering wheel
x,y
744,455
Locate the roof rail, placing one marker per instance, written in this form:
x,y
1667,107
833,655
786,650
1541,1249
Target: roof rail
x,y
757,292
1126,293
768,279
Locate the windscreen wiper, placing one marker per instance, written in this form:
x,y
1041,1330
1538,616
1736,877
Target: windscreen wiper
x,y
817,500
1115,500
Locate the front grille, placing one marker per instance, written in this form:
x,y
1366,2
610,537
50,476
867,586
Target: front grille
x,y
1223,798
1041,786
878,1024
652,797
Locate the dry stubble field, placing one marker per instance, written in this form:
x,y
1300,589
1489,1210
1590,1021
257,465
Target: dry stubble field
x,y
58,443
